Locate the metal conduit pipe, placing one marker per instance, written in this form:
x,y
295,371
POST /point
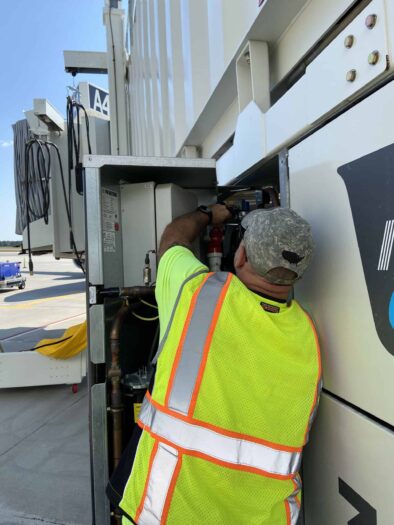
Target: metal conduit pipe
x,y
114,374
137,292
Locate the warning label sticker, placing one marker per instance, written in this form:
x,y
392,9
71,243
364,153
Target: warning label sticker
x,y
110,217
109,242
137,410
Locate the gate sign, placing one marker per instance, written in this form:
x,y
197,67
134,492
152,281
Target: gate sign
x,y
99,100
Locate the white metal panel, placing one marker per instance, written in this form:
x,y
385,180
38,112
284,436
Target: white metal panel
x,y
116,64
201,37
348,446
138,230
327,73
306,29
41,234
171,202
222,131
20,369
249,145
356,365
324,86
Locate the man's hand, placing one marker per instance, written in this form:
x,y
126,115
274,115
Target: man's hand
x,y
185,229
220,214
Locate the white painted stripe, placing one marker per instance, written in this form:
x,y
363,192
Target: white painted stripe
x,y
389,247
239,452
386,243
383,245
161,474
385,252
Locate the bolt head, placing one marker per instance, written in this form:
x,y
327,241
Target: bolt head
x,y
370,21
373,58
351,75
349,41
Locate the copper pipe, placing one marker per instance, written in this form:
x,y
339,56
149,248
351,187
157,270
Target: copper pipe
x,y
137,292
114,374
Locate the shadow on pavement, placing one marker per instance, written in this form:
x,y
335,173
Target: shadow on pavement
x,y
43,293
5,333
67,275
27,341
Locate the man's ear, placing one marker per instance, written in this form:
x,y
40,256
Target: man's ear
x,y
240,257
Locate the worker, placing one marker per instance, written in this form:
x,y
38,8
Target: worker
x,y
237,383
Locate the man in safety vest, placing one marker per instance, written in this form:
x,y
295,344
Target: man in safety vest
x,y
237,382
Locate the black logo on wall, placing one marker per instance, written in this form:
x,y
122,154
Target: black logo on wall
x,y
370,185
366,513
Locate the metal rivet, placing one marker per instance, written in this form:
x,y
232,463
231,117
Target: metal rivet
x,y
370,21
247,57
349,41
351,75
373,58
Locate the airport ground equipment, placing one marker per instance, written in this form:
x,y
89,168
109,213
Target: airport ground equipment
x,y
10,275
49,150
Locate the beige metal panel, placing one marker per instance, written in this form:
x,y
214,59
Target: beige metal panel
x,y
356,364
347,446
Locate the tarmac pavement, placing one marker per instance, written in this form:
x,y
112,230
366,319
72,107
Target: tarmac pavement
x,y
44,436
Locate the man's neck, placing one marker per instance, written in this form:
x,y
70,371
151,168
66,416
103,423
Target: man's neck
x,y
276,291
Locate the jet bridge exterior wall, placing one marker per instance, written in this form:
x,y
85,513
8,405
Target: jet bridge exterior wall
x,y
183,55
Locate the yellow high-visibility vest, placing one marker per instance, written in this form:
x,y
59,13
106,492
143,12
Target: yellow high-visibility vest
x,y
235,392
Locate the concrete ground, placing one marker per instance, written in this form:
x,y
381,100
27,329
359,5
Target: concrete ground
x,y
44,436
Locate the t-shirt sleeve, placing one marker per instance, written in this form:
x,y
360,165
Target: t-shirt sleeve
x,y
176,265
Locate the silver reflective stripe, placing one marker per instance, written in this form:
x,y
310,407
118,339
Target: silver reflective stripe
x,y
237,451
314,411
293,504
193,347
163,341
161,474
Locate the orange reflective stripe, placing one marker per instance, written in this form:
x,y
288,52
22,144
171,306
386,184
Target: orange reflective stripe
x,y
151,459
288,516
207,345
221,430
183,337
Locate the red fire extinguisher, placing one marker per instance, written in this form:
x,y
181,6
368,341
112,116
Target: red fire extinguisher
x,y
215,250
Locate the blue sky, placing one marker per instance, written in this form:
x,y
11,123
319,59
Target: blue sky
x,y
33,35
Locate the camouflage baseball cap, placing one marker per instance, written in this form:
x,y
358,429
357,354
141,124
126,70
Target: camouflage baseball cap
x,y
277,238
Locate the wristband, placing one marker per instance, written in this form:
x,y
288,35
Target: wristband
x,y
206,211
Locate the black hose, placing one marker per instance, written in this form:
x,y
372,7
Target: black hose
x,y
67,206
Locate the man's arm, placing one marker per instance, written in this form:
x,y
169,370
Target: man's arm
x,y
185,229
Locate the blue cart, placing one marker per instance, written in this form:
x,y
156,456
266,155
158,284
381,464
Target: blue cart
x,y
10,275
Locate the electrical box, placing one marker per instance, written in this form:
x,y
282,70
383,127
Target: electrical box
x,y
146,209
